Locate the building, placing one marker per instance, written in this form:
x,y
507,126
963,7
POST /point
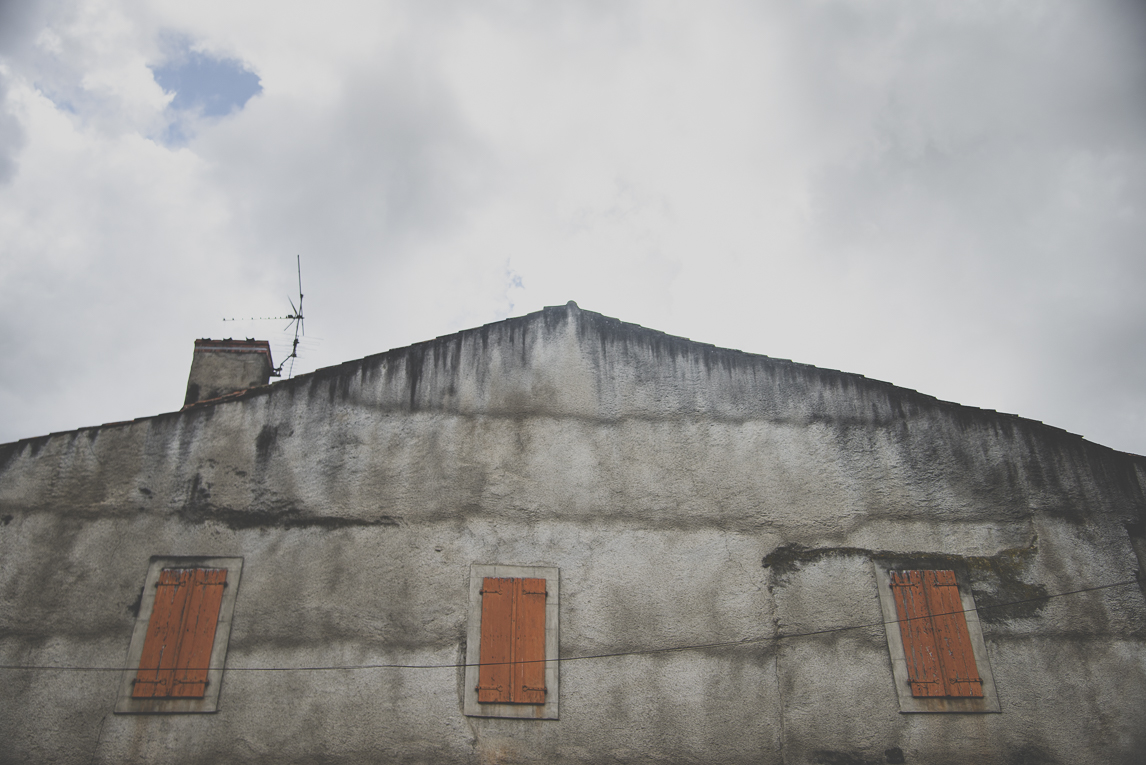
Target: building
x,y
658,550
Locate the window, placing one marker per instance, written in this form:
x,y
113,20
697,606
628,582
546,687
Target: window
x,y
511,648
938,656
512,652
936,644
175,662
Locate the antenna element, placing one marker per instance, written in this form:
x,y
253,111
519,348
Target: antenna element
x,y
296,319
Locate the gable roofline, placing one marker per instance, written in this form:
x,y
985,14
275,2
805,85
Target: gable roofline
x,y
670,362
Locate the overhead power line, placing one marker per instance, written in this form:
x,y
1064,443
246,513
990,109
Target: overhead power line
x,y
586,657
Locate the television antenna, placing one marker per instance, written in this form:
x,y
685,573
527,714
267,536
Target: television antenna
x,y
296,320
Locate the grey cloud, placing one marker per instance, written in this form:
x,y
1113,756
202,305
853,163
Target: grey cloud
x,y
391,159
988,166
18,20
1091,371
11,136
54,47
975,174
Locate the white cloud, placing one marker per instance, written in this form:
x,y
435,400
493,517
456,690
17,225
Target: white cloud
x,y
945,195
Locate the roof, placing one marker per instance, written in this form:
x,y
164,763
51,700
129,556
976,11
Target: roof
x,y
564,361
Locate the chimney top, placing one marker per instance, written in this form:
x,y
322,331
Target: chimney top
x,y
219,367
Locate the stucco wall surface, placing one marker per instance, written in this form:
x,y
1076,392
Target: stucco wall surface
x,y
690,495
217,371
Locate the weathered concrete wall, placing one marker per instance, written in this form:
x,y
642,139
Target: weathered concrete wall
x,y
689,495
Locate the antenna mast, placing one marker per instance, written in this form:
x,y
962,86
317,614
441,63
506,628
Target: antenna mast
x,y
296,319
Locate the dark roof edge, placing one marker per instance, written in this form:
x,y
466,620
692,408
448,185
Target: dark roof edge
x,y
354,364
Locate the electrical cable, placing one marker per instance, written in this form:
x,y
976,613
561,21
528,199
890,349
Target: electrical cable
x,y
636,652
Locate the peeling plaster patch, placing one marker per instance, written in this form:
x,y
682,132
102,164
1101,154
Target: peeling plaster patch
x,y
996,580
788,559
290,518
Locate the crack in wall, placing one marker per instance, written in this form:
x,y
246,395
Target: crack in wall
x,y
780,705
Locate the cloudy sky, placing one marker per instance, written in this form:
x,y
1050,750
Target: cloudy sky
x,y
949,195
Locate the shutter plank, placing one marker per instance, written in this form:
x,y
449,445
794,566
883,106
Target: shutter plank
x,y
200,620
917,631
156,674
495,673
953,641
529,639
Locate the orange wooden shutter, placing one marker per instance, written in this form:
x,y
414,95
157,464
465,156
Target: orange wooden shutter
x,y
495,675
180,634
918,633
512,652
936,643
956,656
156,674
529,642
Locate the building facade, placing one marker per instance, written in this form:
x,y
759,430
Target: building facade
x,y
563,538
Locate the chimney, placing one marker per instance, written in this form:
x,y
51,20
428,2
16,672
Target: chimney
x,y
220,367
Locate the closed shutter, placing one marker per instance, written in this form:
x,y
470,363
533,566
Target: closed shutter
x,y
495,677
918,633
180,634
951,637
512,653
529,650
936,643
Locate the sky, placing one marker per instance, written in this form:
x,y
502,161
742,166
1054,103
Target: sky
x,y
948,195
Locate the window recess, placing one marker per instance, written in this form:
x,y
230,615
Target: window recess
x,y
179,644
938,656
512,643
